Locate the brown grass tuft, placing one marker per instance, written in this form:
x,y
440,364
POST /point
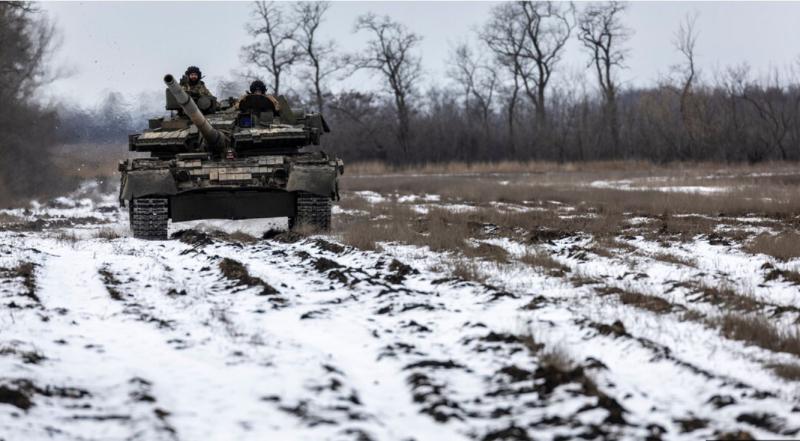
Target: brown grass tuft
x,y
728,297
107,234
783,246
759,331
27,272
540,259
645,301
67,237
674,259
468,271
556,357
787,371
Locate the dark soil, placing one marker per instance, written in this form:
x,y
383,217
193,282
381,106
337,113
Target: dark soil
x,y
235,271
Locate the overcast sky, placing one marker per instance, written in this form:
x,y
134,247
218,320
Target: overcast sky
x,y
128,46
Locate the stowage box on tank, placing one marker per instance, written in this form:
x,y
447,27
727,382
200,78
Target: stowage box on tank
x,y
231,161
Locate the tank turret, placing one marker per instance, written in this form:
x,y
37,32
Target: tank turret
x,y
215,139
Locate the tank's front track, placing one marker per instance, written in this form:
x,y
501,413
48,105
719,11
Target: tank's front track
x,y
313,211
149,218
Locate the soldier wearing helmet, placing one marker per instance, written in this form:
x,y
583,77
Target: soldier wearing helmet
x,y
193,84
258,87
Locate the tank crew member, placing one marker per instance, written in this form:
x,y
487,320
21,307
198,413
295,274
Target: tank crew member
x,y
258,87
193,84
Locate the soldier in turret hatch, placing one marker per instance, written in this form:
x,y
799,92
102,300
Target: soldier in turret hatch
x,y
258,87
193,84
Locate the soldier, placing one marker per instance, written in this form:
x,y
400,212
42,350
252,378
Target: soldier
x,y
192,83
258,87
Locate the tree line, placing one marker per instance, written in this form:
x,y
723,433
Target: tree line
x,y
508,96
27,128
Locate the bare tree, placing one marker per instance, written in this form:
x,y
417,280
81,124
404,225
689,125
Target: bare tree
x,y
320,55
504,36
463,68
547,28
389,52
602,33
275,49
776,110
27,41
685,42
477,79
528,38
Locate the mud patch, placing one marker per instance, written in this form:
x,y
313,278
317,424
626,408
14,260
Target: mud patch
x,y
510,433
432,397
194,238
399,272
20,392
235,271
111,283
27,272
550,376
331,247
283,236
323,264
28,356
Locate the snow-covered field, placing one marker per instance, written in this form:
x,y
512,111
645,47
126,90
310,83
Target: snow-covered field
x,y
227,333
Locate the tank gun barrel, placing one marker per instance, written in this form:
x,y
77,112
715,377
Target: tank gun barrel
x,y
213,137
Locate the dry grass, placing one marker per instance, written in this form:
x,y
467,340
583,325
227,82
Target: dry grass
x,y
625,167
540,259
557,358
787,371
728,297
27,272
107,234
783,246
645,301
764,196
674,259
468,271
758,331
67,237
241,237
389,223
486,251
6,218
773,273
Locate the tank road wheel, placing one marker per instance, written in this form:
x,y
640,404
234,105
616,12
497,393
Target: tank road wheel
x,y
312,210
149,217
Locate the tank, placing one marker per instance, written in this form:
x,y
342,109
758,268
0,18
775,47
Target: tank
x,y
229,160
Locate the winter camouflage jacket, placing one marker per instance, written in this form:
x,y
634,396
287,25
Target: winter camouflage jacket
x,y
198,90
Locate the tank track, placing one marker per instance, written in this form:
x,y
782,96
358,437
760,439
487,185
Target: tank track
x,y
148,218
312,210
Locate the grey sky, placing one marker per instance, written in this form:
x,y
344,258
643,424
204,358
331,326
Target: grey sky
x,y
128,46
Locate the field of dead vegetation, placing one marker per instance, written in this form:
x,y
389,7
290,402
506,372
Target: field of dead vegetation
x,y
488,302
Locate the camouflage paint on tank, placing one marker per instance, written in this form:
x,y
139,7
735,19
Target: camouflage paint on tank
x,y
188,153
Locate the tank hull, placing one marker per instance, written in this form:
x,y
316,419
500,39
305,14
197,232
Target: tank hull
x,y
232,204
196,187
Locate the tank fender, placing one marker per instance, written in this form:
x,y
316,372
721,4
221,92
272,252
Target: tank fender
x,y
148,182
317,179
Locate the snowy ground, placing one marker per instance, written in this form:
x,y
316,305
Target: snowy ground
x,y
224,333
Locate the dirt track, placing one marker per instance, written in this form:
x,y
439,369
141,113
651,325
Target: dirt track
x,y
217,336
